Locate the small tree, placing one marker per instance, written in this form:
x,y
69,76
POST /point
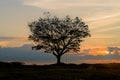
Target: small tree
x,y
58,36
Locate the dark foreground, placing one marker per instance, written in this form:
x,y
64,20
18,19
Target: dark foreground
x,y
17,71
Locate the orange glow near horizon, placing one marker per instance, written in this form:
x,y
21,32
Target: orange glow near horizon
x,y
96,50
3,44
100,61
99,51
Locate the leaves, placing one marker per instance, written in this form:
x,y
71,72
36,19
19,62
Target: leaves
x,y
58,36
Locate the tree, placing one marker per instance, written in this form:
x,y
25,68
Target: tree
x,y
58,36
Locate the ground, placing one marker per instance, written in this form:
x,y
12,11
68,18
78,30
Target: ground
x,y
18,71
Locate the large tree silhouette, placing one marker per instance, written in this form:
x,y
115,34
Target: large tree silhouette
x,y
58,36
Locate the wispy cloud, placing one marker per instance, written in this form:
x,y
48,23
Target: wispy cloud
x,y
56,4
110,29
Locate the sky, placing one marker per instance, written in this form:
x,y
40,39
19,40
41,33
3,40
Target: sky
x,y
102,17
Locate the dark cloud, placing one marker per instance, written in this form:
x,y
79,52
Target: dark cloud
x,y
25,54
9,38
111,49
13,38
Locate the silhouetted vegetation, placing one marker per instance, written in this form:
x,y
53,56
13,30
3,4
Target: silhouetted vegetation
x,y
10,71
58,36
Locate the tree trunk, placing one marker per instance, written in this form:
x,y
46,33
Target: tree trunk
x,y
58,59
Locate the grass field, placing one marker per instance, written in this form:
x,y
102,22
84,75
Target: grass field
x,y
17,71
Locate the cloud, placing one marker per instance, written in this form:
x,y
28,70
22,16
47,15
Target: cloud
x,y
114,50
55,4
13,41
13,38
104,22
3,44
102,16
106,28
25,54
87,57
103,11
95,51
110,29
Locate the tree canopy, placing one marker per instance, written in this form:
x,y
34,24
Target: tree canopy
x,y
58,36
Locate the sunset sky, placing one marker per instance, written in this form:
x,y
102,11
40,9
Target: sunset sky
x,y
102,17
